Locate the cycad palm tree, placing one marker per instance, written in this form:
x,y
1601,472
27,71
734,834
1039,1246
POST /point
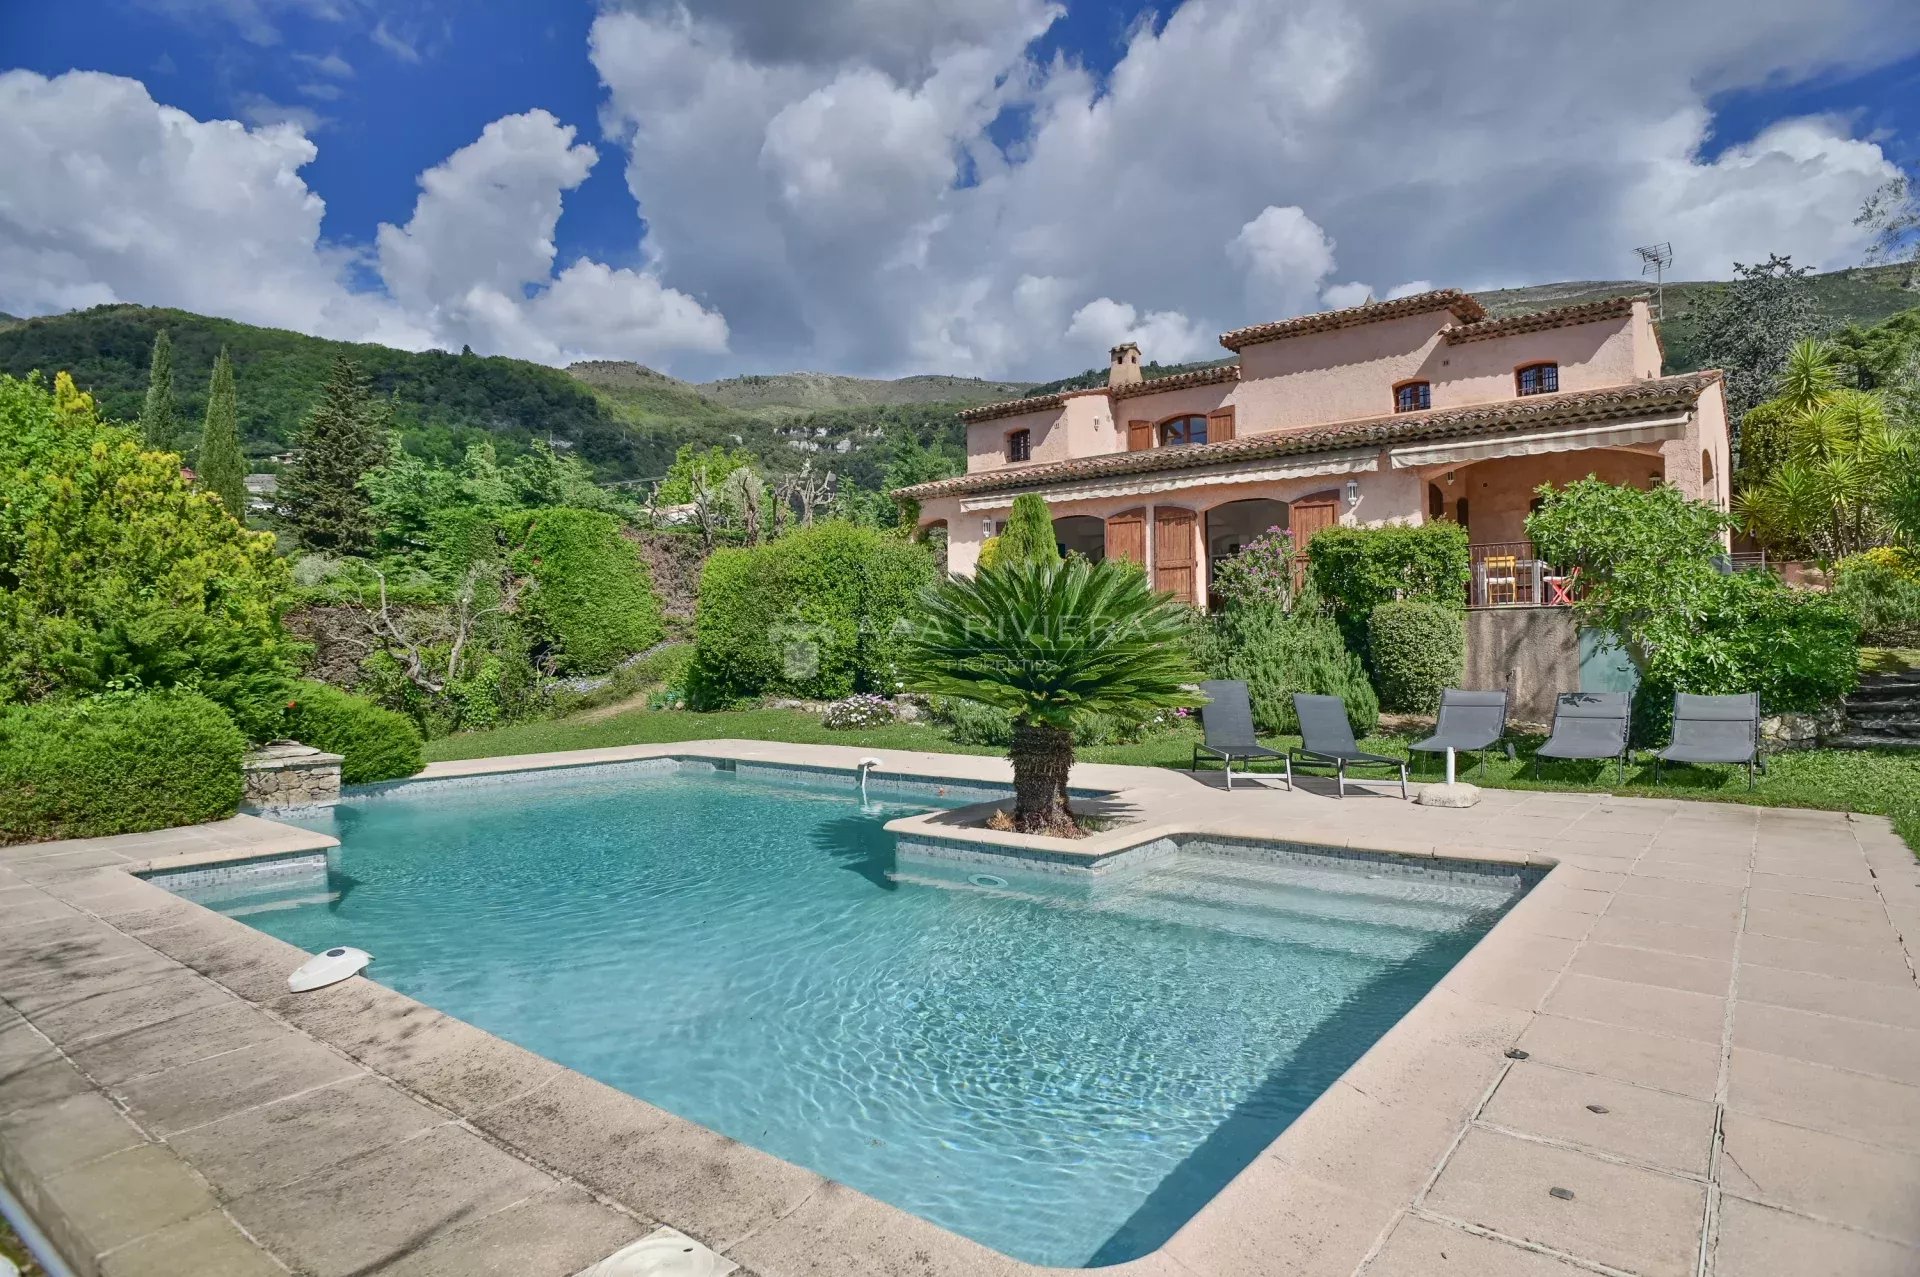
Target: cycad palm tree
x,y
1049,643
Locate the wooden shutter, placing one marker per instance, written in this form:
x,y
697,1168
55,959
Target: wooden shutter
x,y
1139,435
1127,536
1220,424
1173,557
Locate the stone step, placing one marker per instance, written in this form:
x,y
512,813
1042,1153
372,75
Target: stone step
x,y
1884,705
1876,725
1858,740
1886,686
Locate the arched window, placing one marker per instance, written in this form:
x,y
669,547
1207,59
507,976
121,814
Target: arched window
x,y
1537,379
1436,502
1412,396
1020,445
1183,430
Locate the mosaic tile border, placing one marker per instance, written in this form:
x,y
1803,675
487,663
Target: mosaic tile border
x,y
879,780
1470,872
1038,859
287,864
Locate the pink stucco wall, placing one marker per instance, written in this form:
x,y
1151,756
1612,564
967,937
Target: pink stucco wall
x,y
1182,402
1336,376
1080,427
1591,356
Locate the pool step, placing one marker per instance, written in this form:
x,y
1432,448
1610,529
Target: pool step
x,y
1385,919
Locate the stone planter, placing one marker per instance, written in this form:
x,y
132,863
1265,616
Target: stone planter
x,y
286,774
1781,733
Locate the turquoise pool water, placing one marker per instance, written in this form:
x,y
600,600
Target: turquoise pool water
x,y
1066,1078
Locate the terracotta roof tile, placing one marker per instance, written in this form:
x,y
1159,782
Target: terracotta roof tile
x,y
1033,403
1573,407
1464,307
1537,320
1198,377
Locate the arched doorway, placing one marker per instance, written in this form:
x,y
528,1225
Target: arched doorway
x,y
1081,534
1232,525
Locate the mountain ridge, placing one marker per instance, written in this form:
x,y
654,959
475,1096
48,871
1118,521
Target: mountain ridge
x,y
629,419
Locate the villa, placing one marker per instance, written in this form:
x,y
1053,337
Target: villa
x,y
1401,411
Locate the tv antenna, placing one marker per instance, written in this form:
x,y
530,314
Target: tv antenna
x,y
1654,260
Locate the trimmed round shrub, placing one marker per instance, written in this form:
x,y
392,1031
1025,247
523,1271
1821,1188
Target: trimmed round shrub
x,y
376,743
816,615
1418,650
592,603
116,764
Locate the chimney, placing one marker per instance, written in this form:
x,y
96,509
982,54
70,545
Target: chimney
x,y
1123,365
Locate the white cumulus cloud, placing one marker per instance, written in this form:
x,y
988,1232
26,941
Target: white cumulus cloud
x,y
114,197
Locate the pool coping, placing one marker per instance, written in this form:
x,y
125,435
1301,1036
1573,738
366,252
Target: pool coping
x,y
1334,1189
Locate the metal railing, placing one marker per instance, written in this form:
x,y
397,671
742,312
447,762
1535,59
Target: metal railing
x,y
1512,574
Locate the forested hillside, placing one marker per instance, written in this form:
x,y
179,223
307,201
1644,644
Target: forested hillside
x,y
628,420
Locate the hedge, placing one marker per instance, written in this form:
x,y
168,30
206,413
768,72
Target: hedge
x,y
376,743
117,764
592,603
815,614
1419,649
1357,569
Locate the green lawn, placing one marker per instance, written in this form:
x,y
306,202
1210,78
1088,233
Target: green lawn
x,y
1879,782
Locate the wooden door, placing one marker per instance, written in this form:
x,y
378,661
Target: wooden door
x,y
1311,514
1127,536
1175,566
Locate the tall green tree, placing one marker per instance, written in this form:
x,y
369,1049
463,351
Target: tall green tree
x,y
1029,534
1748,328
343,438
1049,644
221,468
159,416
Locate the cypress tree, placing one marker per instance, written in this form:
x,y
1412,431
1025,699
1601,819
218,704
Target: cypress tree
x,y
159,418
220,468
342,438
1029,534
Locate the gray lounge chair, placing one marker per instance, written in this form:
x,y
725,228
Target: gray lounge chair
x,y
1469,722
1588,725
1227,721
1714,729
1326,740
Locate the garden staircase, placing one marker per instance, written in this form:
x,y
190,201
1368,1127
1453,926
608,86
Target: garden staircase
x,y
1884,713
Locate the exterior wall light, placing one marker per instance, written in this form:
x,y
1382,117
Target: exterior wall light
x,y
1353,492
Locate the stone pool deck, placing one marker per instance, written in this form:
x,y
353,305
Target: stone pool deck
x,y
1693,1049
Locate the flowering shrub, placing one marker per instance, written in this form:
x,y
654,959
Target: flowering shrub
x,y
1262,573
863,709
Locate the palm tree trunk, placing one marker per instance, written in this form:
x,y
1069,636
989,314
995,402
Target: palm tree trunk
x,y
1042,757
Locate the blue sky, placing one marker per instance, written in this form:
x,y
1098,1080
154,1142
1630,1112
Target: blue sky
x,y
991,186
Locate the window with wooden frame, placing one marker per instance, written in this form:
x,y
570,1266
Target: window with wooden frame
x,y
1020,445
1413,396
1183,430
1537,379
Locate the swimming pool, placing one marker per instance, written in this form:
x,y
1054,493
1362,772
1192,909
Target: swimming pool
x,y
1065,1072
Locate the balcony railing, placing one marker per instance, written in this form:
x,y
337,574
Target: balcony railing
x,y
1512,574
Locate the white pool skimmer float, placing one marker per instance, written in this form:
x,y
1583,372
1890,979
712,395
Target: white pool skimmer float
x,y
327,968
